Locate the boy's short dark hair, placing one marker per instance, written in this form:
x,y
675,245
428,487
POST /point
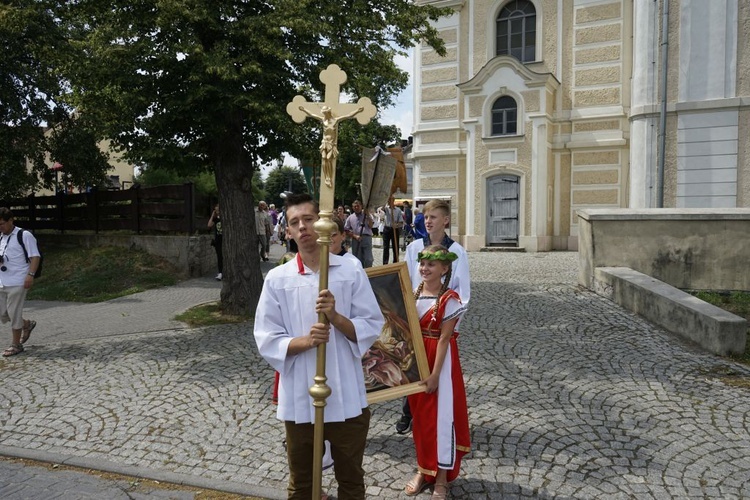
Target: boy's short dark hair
x,y
300,199
5,213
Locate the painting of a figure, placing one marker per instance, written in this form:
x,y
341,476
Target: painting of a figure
x,y
396,362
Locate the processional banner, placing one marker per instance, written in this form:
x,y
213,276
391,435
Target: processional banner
x,y
378,169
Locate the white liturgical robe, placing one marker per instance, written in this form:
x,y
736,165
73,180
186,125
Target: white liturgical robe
x,y
286,309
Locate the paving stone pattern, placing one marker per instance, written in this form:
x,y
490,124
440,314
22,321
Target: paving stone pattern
x,y
569,395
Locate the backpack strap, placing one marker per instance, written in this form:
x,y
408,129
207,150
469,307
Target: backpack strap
x,y
20,242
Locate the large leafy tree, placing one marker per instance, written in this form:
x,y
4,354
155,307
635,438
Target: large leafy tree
x,y
75,143
28,84
34,122
203,84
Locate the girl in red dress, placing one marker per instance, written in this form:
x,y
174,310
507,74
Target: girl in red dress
x,y
441,421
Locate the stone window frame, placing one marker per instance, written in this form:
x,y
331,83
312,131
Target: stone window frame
x,y
492,28
487,114
505,123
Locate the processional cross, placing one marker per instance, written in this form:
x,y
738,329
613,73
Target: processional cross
x,y
329,112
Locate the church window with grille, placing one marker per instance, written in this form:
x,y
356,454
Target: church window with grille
x,y
504,116
516,31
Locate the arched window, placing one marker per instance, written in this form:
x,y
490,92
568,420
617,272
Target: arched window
x,y
516,31
504,116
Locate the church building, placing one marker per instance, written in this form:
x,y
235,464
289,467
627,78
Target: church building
x,y
543,107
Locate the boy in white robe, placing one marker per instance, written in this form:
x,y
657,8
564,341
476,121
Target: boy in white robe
x,y
287,332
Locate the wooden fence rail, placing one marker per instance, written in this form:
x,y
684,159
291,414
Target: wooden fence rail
x,y
170,209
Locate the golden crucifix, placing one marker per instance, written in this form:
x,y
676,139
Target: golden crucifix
x,y
329,112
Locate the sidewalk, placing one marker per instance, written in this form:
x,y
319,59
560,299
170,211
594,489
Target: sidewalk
x,y
569,396
150,311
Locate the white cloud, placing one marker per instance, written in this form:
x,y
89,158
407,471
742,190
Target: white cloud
x,y
402,114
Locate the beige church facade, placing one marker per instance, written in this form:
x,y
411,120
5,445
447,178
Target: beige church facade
x,y
544,107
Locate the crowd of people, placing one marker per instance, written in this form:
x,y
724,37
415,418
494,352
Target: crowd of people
x,y
397,226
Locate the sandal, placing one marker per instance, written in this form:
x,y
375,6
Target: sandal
x,y
28,327
440,492
13,350
416,485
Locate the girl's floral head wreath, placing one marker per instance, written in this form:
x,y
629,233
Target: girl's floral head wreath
x,y
441,255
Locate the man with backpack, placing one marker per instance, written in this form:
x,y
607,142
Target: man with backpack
x,y
19,263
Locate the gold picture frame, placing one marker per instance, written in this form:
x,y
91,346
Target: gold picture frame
x,y
396,363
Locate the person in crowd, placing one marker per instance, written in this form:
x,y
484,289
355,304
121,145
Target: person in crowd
x,y
342,215
273,214
274,221
407,233
437,216
418,229
408,215
263,229
281,228
441,419
337,242
392,225
214,222
358,227
19,261
287,332
291,245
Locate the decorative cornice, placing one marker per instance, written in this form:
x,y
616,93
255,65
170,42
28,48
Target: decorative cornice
x,y
532,78
456,4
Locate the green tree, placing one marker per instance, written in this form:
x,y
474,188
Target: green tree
x,y
259,187
28,35
33,118
203,84
74,144
284,178
352,138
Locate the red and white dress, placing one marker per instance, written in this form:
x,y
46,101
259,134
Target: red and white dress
x,y
441,420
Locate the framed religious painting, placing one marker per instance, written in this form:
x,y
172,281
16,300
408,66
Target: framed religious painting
x,y
396,362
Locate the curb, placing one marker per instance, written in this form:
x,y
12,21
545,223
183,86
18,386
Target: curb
x,y
143,472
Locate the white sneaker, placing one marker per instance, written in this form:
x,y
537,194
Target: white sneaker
x,y
218,277
327,458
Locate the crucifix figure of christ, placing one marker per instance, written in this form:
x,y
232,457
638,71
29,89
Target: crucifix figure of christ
x,y
329,112
328,146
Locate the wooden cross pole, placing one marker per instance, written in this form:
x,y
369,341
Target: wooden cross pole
x,y
329,112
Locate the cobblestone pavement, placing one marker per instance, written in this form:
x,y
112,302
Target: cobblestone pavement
x,y
570,396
